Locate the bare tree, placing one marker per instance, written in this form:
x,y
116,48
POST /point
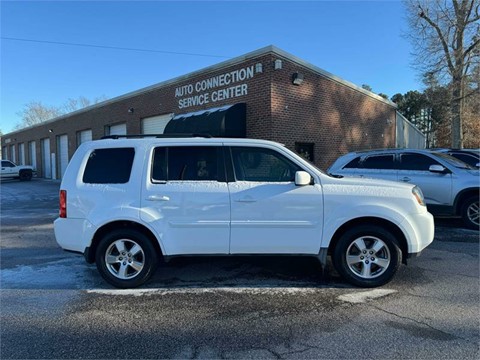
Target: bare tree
x,y
35,112
446,39
80,103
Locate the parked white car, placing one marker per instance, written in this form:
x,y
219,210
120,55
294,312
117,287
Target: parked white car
x,y
451,187
126,202
10,170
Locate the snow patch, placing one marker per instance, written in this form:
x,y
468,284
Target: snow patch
x,y
364,296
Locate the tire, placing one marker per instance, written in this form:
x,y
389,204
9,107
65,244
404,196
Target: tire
x,y
25,175
126,258
367,256
470,213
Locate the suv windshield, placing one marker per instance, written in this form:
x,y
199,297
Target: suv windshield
x,y
453,161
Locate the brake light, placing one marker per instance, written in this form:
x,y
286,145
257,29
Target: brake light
x,y
63,204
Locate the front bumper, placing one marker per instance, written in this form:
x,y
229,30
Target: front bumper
x,y
420,231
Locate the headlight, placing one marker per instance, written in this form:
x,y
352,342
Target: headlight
x,y
417,193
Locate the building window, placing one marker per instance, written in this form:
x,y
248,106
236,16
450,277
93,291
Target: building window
x,y
305,150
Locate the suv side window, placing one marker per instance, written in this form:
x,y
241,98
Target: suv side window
x,y
262,165
383,162
198,163
466,158
109,166
417,162
353,164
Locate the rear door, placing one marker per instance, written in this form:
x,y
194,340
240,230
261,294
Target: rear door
x,y
186,199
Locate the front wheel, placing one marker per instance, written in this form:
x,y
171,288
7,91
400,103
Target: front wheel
x,y
25,175
471,213
126,258
367,256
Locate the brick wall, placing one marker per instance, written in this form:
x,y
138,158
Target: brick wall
x,y
333,116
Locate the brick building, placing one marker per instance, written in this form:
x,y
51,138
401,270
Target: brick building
x,y
266,94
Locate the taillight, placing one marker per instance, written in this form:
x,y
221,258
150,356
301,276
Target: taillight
x,y
63,204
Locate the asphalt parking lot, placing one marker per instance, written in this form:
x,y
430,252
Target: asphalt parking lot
x,y
55,306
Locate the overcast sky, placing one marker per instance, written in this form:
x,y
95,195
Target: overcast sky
x,y
356,40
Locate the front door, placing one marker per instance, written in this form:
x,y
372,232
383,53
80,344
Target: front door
x,y
186,200
436,187
270,214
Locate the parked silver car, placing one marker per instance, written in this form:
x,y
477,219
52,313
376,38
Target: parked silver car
x,y
450,186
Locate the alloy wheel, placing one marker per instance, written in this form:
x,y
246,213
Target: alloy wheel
x,y
473,213
124,259
368,257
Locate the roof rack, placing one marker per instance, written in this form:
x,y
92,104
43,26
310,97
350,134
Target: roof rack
x,y
165,136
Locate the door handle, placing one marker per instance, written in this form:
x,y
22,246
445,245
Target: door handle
x,y
246,200
406,179
158,198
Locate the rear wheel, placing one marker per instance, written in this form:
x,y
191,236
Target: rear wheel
x,y
367,256
126,258
471,213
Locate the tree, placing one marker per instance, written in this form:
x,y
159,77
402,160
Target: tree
x,y
35,112
367,87
471,130
438,99
80,103
446,40
417,109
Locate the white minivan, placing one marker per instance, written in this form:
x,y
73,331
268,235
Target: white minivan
x,y
127,201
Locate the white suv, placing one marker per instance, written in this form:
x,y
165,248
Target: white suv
x,y
126,202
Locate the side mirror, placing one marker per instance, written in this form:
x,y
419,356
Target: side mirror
x,y
302,178
477,165
437,169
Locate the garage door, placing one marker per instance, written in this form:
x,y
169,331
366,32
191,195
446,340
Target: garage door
x,y
155,124
46,165
33,154
13,154
21,154
84,136
62,142
119,129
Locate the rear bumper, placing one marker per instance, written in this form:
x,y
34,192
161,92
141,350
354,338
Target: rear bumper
x,y
73,234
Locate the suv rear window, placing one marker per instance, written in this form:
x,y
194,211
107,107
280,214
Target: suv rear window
x,y
109,166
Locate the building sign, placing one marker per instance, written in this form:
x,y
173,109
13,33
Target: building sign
x,y
214,89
